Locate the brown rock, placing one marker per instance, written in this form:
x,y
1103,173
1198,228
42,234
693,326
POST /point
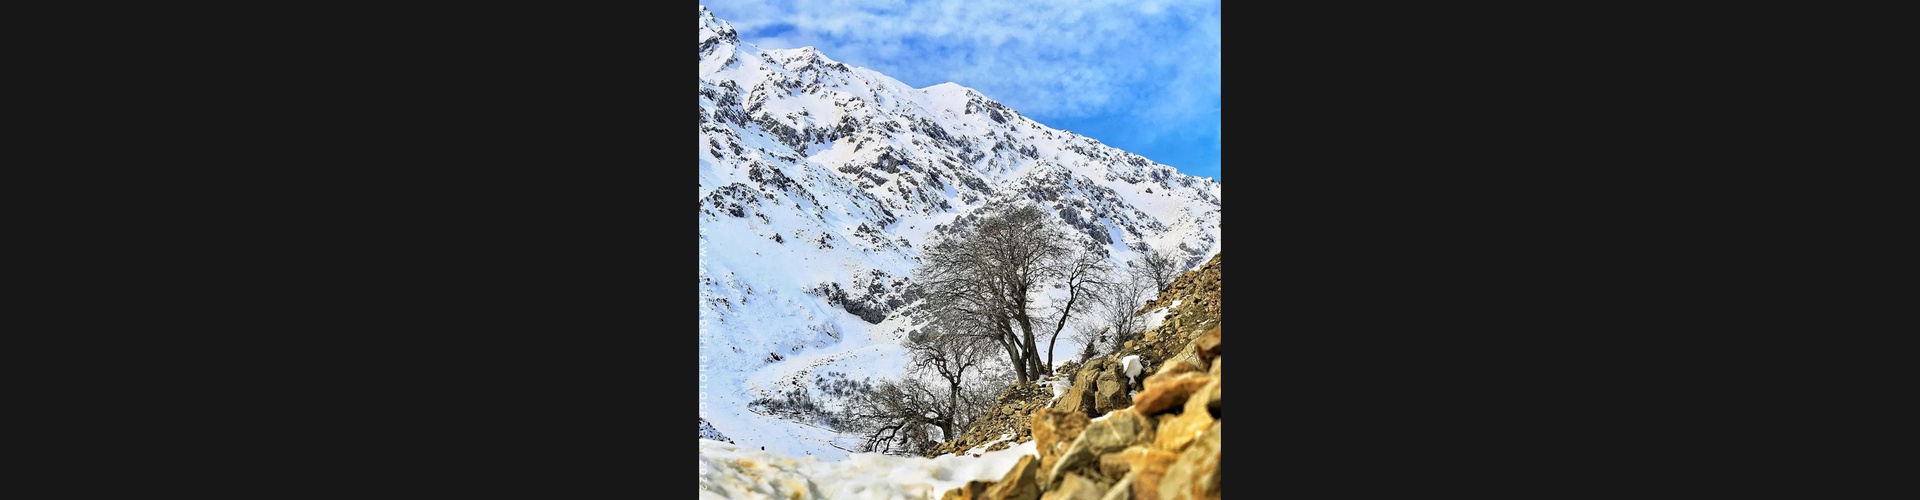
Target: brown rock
x,y
1081,396
1197,403
1147,474
1126,461
1122,490
1213,397
1197,474
1209,345
974,490
1194,419
1075,487
1054,429
1113,433
1169,371
1056,425
1021,483
1113,394
1149,429
1168,393
1174,435
1116,464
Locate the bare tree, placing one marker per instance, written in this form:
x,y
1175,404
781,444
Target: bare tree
x,y
1158,267
1090,332
1118,305
896,417
1082,276
900,416
949,357
982,281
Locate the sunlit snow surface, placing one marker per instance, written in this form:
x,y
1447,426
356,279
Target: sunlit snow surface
x,y
730,471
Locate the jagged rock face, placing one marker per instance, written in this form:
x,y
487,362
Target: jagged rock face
x,y
820,182
708,432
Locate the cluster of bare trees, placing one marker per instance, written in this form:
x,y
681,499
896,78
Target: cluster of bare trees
x,y
982,285
899,416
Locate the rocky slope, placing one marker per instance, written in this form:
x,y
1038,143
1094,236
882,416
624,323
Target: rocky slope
x,y
1108,438
1189,306
1165,444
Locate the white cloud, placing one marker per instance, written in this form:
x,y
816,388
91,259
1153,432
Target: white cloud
x,y
1156,60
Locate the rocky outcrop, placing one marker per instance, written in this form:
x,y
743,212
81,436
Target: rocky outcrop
x,y
1097,442
1165,445
1192,304
974,490
708,432
1011,416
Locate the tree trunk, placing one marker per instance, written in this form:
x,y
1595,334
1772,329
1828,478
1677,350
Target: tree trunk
x,y
1033,348
1072,294
1012,344
953,410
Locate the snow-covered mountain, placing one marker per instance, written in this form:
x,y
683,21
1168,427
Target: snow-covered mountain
x,y
820,181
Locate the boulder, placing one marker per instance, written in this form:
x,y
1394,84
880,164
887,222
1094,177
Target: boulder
x,y
1081,397
1112,394
1115,432
1149,429
1208,347
1054,429
1169,393
1125,462
1021,483
1174,435
1169,371
1196,475
1116,464
1146,475
1075,487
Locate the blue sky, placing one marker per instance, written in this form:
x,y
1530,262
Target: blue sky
x,y
1140,75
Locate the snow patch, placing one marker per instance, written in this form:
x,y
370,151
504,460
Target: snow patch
x,y
731,471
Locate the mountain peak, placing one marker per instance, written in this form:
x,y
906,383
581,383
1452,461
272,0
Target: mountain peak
x,y
711,26
951,88
806,54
